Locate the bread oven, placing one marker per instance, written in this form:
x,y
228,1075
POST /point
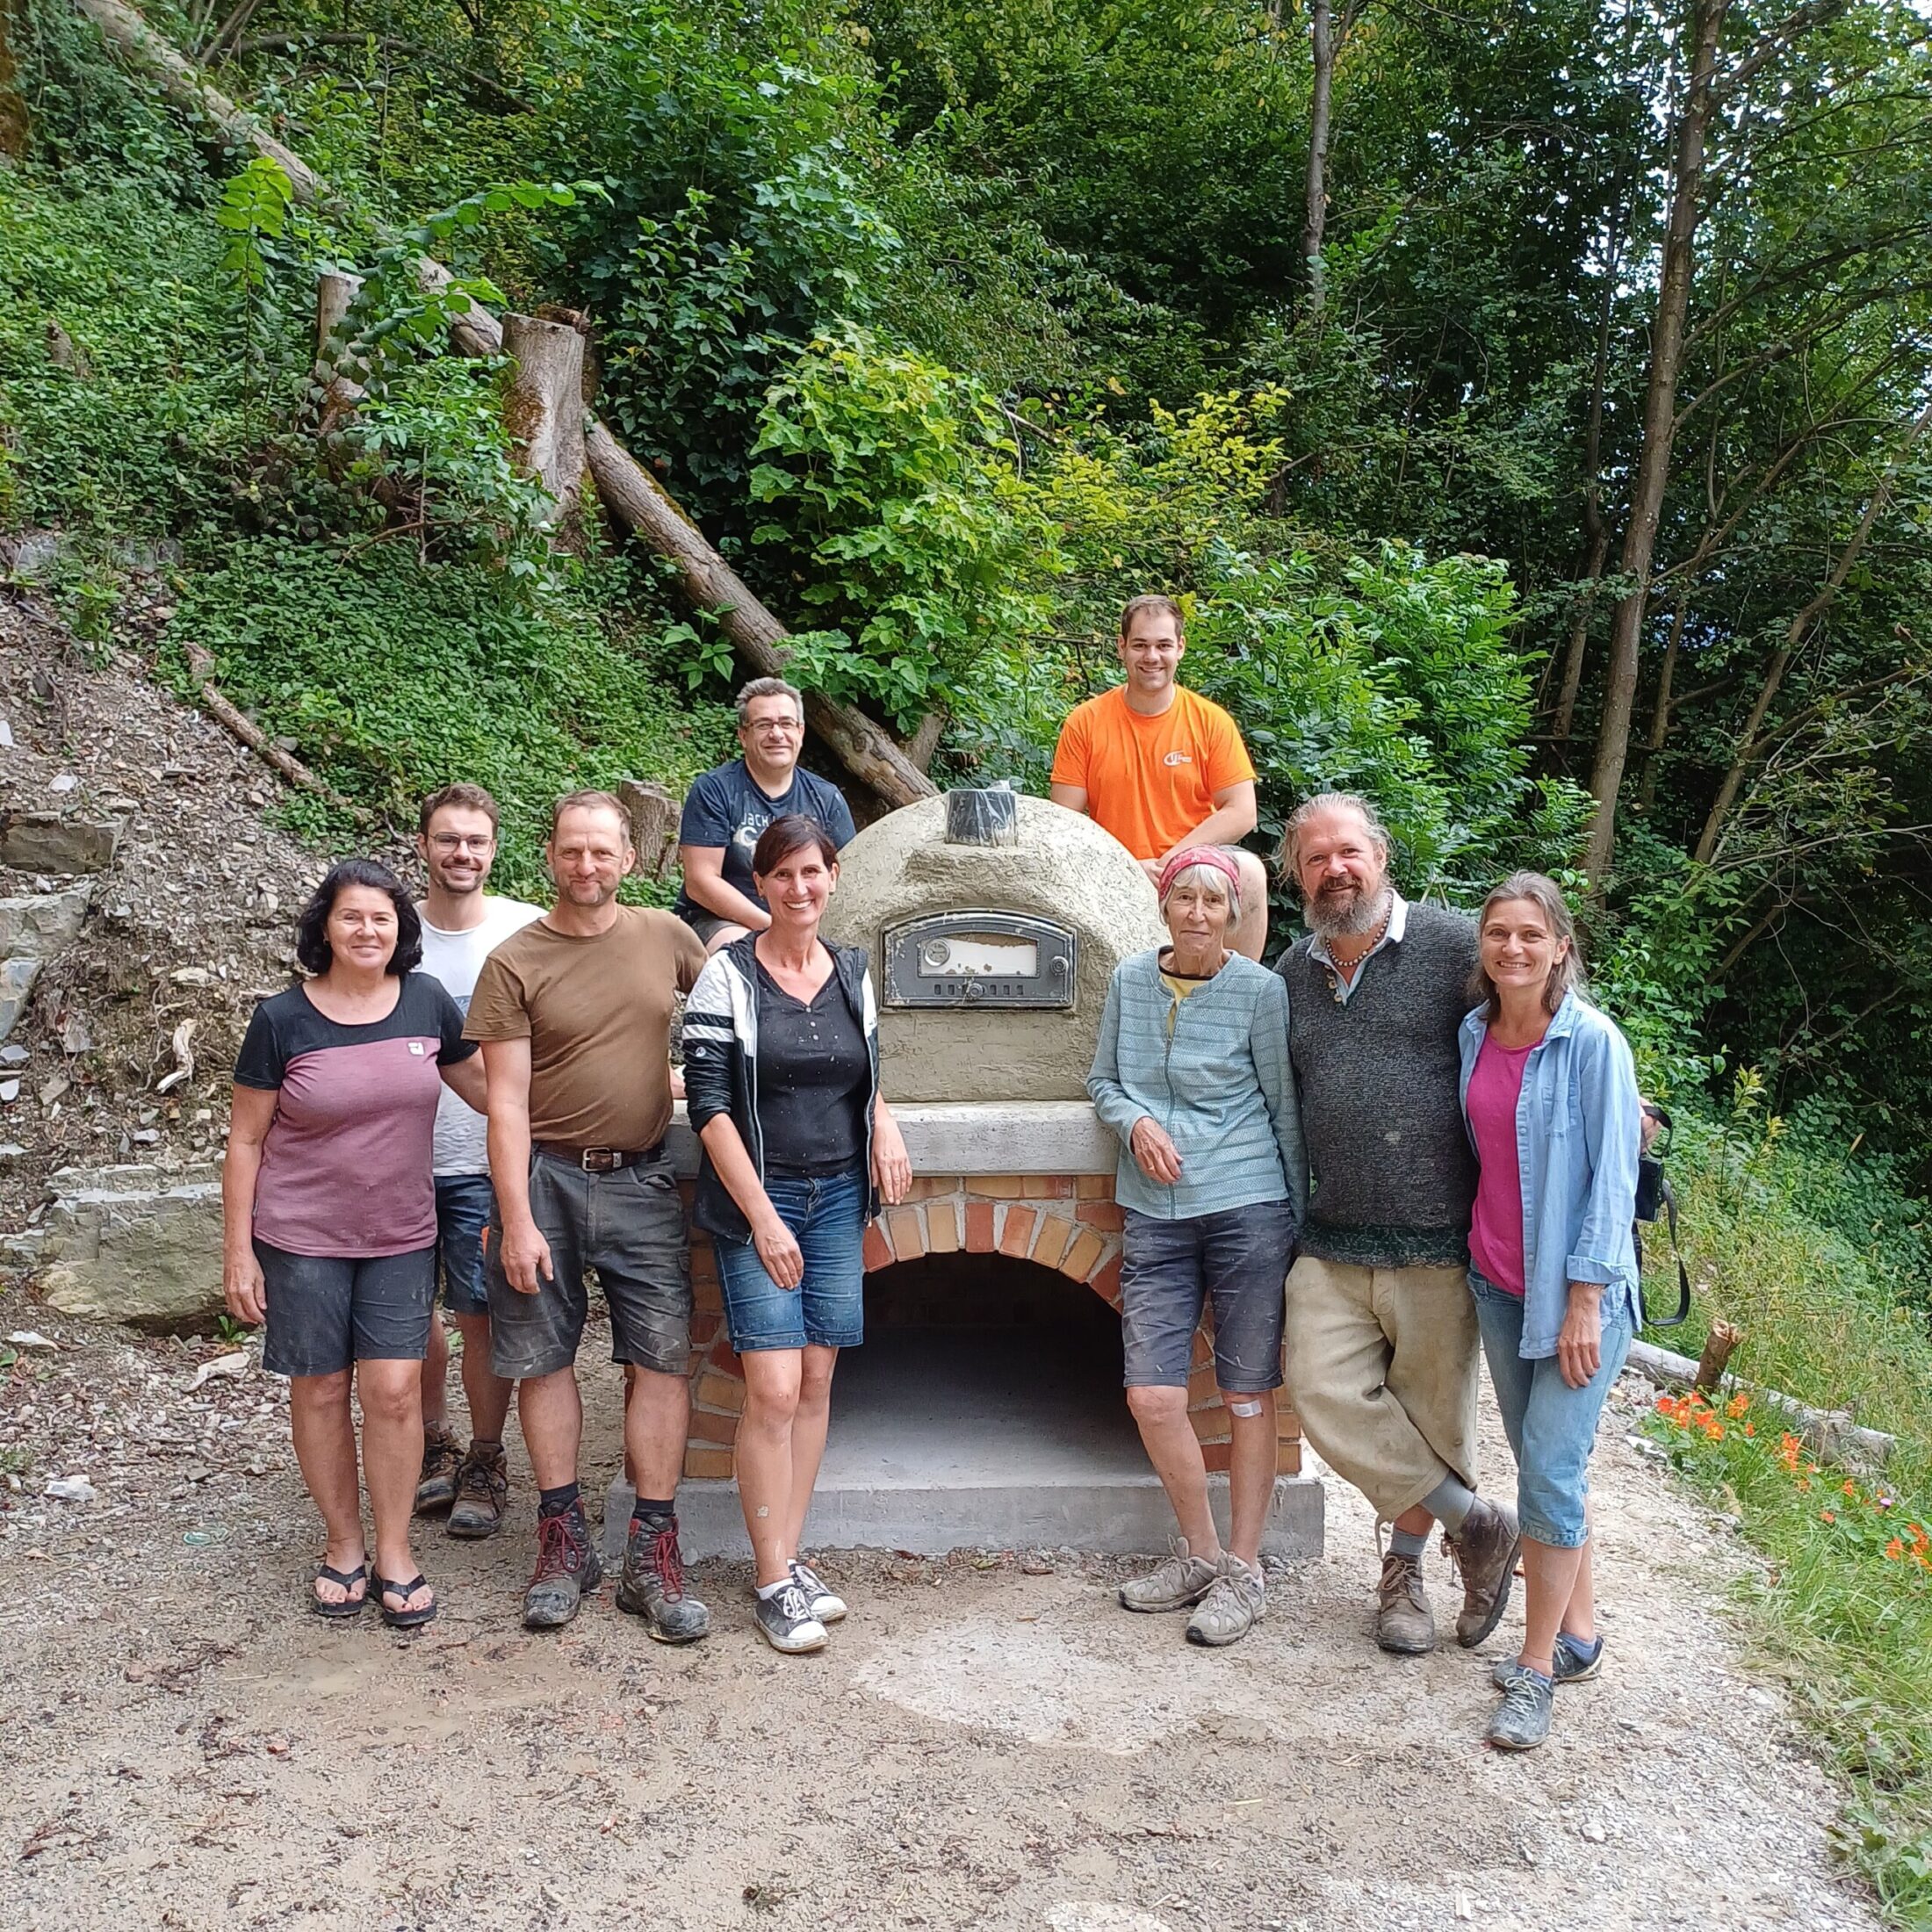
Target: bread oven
x,y
986,1407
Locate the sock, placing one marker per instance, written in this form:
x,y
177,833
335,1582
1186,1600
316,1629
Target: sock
x,y
558,1502
767,1591
652,1512
1408,1543
1582,1652
1450,1503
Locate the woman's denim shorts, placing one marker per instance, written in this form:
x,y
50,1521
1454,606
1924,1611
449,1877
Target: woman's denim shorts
x,y
826,1215
1552,1427
1237,1261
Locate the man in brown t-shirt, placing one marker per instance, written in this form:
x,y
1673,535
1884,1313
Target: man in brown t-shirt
x,y
574,1014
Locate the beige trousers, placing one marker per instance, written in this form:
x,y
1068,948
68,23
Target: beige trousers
x,y
1382,1370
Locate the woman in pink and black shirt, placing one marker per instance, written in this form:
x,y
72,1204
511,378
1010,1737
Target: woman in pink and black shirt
x,y
329,1215
1550,1095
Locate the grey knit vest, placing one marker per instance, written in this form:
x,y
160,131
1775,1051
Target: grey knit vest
x,y
1378,1079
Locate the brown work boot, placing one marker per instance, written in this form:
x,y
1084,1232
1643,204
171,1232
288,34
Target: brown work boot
x,y
1404,1623
482,1487
1484,1550
436,1486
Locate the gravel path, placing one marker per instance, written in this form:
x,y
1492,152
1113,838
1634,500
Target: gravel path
x,y
981,1747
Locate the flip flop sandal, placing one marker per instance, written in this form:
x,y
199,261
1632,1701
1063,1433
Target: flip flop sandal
x,y
380,1588
350,1606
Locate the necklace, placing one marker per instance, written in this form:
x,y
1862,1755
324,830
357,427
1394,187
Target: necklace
x,y
1369,945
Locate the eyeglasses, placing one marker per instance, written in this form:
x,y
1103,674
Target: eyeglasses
x,y
445,841
781,727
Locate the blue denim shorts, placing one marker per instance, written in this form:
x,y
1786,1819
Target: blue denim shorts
x,y
826,1215
1236,1260
1552,1427
464,1207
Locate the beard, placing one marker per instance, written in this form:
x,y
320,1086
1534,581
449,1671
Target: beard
x,y
1347,914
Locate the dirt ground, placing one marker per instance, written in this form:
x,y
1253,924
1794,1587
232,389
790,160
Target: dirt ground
x,y
982,1746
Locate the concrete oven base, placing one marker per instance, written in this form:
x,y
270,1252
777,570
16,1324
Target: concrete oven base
x,y
1106,1516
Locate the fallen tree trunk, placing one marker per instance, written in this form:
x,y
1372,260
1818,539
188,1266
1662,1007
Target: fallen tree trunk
x,y
201,668
634,496
543,409
1830,1431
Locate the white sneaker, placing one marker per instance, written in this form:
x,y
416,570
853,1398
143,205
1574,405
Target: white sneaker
x,y
786,1621
826,1605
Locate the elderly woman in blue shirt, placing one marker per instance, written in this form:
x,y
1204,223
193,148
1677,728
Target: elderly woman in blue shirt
x,y
1192,1074
1550,1096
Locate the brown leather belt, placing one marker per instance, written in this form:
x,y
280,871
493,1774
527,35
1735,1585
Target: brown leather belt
x,y
598,1160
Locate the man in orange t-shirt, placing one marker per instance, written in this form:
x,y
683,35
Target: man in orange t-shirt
x,y
1160,766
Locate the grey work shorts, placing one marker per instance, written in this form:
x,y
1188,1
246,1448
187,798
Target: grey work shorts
x,y
1236,1261
326,1313
629,1227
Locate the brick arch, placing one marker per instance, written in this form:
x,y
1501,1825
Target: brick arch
x,y
1068,1223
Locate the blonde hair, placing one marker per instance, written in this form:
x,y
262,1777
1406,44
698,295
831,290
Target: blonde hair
x,y
1287,859
1546,896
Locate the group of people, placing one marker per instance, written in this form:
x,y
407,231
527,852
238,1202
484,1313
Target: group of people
x,y
1417,1122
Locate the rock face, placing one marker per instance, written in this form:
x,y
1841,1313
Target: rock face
x,y
16,978
1059,866
37,925
135,1245
44,842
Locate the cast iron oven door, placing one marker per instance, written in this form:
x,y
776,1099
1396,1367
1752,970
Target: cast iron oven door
x,y
998,960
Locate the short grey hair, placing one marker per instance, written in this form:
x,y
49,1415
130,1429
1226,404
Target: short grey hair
x,y
1206,874
1288,859
768,688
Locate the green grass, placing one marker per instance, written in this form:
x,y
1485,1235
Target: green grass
x,y
1844,1611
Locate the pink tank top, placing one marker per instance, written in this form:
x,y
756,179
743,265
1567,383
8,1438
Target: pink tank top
x,y
1495,1230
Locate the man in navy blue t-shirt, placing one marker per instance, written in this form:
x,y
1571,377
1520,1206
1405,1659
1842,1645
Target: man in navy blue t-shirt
x,y
725,811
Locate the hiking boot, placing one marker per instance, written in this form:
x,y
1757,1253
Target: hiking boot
x,y
653,1586
436,1486
1404,1623
566,1568
825,1606
1573,1664
1522,1721
1234,1604
482,1488
1181,1581
1484,1550
786,1621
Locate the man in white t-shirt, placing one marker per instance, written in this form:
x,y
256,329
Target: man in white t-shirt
x,y
462,925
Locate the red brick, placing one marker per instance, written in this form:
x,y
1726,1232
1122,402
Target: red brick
x,y
997,1186
720,1392
705,1323
908,1238
979,1227
1102,1213
878,1251
1084,1256
942,1227
1017,1237
706,1427
1216,1455
1106,1282
704,1260
708,1297
725,1360
930,1187
1047,1188
1288,1459
1210,1424
707,1462
1093,1186
1203,1351
1201,1384
1051,1243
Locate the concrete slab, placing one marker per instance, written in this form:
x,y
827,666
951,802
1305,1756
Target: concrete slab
x,y
995,1438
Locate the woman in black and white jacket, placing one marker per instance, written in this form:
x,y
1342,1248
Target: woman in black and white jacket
x,y
782,1077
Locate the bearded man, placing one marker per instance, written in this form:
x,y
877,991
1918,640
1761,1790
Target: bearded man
x,y
1382,1329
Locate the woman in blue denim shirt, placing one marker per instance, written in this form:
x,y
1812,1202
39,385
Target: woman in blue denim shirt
x,y
1550,1096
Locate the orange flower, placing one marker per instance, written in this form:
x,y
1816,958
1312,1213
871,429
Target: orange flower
x,y
1894,1550
1851,1490
1750,1429
1737,1405
1826,1516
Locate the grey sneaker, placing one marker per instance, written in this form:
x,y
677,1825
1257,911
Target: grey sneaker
x,y
1484,1550
1181,1581
482,1488
436,1486
653,1586
1522,1721
566,1568
825,1606
787,1623
1573,1666
1237,1601
1404,1623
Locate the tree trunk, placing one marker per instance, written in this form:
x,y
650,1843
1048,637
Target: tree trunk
x,y
654,815
1315,213
14,123
1659,431
1595,530
1660,715
337,372
544,407
1749,741
637,498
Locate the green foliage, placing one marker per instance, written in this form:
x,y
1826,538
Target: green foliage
x,y
394,676
254,204
896,503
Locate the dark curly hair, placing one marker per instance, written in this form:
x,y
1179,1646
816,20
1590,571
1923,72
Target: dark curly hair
x,y
311,946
